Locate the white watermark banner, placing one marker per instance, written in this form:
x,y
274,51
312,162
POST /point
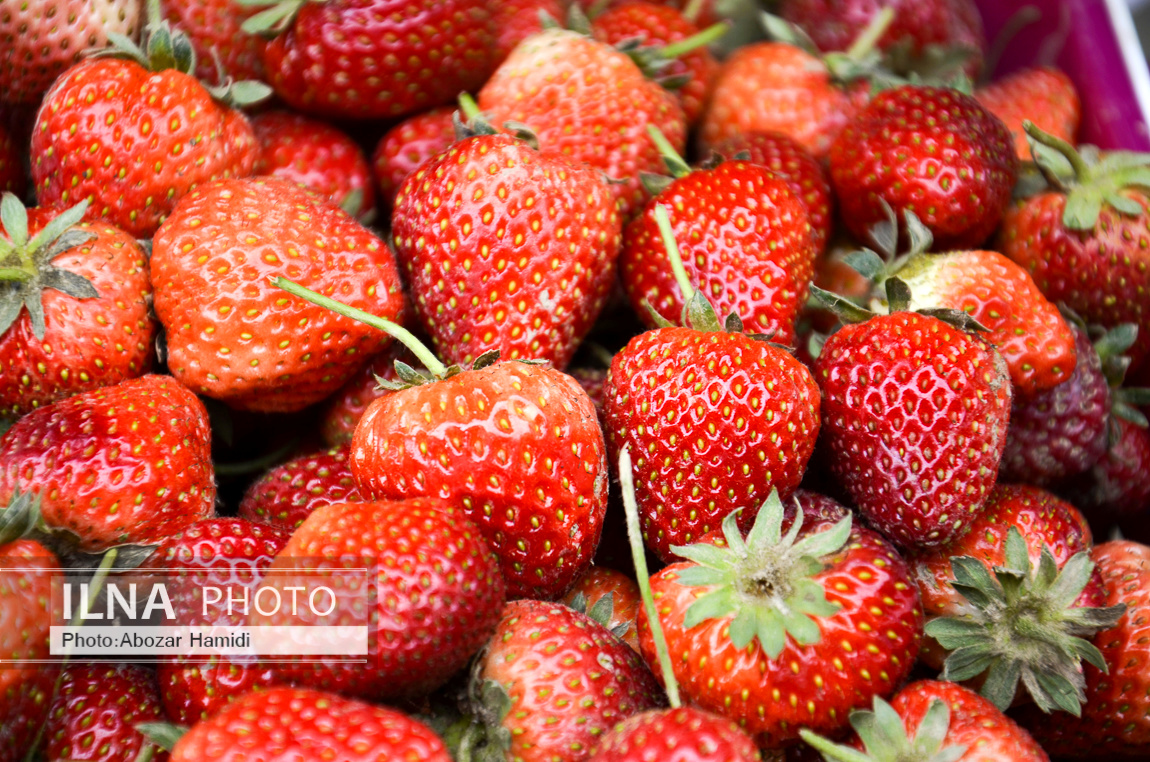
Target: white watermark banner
x,y
244,640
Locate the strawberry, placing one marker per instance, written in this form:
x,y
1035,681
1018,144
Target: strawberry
x,y
375,59
607,104
408,146
1008,609
42,38
233,336
593,381
133,135
1082,245
1116,484
436,583
914,414
124,463
930,150
657,26
557,680
304,724
695,735
213,29
194,691
11,162
344,408
76,306
290,492
1042,95
933,721
95,710
745,240
517,20
506,248
796,165
1115,721
315,155
599,584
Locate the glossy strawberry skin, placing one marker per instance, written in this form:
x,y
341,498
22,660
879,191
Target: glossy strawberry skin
x,y
934,151
607,105
658,25
714,421
343,409
314,154
213,28
288,493
381,59
570,680
867,648
1044,95
518,445
408,146
125,463
176,136
87,343
506,248
234,336
96,709
600,581
915,415
300,723
690,734
193,692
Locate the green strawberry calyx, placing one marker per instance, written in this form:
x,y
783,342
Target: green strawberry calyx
x,y
274,20
21,518
885,739
1095,179
898,299
26,268
470,122
1023,626
1125,401
162,734
862,61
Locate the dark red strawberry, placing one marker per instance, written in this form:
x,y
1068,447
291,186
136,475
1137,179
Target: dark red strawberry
x,y
1042,95
408,146
290,492
12,172
129,463
344,408
1117,483
213,28
95,712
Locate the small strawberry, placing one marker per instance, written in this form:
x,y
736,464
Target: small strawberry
x,y
1042,95
408,146
75,304
343,409
316,155
930,150
124,463
600,583
95,712
517,20
214,30
914,414
290,492
304,724
506,248
931,721
1116,485
230,334
133,135
42,38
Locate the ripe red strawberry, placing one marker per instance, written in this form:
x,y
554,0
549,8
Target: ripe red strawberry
x,y
506,248
436,583
561,680
516,20
802,171
95,711
607,105
40,39
11,162
124,463
1085,246
231,335
597,583
133,140
981,593
1116,484
344,408
376,59
408,146
656,26
299,723
1115,719
914,415
316,155
930,150
932,720
778,631
213,28
195,691
693,735
1042,95
290,492
593,381
78,317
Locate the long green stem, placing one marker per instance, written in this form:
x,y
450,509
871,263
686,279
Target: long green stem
x,y
870,36
468,106
693,10
663,220
697,40
1077,163
635,536
675,163
394,330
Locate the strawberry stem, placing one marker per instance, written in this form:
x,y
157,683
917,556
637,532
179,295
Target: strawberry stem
x,y
394,330
663,220
469,107
671,158
639,555
698,40
1077,163
693,10
870,36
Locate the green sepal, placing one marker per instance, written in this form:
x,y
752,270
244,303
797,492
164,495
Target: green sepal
x,y
865,262
656,317
884,737
20,518
162,734
897,295
603,609
274,20
843,308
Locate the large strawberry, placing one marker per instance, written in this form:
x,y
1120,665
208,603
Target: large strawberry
x,y
588,101
374,59
124,463
288,493
42,38
74,307
133,135
914,414
506,248
231,335
95,711
1042,95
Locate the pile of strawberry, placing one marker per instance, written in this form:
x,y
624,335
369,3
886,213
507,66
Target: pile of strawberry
x,y
850,344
